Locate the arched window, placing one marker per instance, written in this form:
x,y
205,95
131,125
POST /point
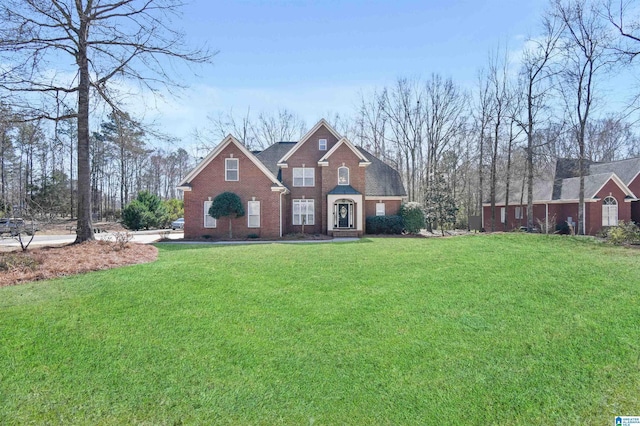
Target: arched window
x,y
343,175
609,212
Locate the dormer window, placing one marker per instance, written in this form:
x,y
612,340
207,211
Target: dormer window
x,y
343,175
322,144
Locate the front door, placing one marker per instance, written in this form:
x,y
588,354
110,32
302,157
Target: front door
x,y
343,215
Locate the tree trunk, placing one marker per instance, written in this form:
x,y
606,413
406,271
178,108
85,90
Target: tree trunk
x,y
84,228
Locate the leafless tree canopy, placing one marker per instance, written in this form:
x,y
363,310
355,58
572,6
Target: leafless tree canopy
x,y
64,52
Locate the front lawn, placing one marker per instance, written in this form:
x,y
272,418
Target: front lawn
x,y
498,329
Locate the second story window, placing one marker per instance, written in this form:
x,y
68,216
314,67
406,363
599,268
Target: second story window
x,y
322,144
343,175
303,176
231,169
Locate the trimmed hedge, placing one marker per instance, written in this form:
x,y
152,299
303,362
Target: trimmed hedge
x,y
385,225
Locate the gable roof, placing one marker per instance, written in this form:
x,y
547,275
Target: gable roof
x,y
306,137
592,185
381,179
344,141
186,182
627,170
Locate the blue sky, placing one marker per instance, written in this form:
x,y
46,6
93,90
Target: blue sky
x,y
316,57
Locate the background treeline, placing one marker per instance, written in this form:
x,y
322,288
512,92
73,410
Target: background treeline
x,y
465,145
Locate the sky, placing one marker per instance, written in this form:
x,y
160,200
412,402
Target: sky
x,y
316,58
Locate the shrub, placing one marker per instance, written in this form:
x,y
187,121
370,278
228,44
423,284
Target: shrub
x,y
413,217
624,233
384,225
227,204
136,216
146,211
253,236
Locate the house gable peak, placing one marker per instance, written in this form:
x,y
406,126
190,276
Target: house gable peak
x,y
322,123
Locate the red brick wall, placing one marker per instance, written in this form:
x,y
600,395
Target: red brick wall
x,y
342,156
391,207
307,154
594,214
252,183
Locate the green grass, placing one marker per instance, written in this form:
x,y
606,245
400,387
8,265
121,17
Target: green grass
x,y
502,329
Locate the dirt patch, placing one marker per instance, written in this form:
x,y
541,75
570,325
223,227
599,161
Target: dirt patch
x,y
52,262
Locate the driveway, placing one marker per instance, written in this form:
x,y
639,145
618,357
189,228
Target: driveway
x,y
143,237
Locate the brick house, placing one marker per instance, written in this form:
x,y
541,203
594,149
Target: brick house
x,y
610,196
323,182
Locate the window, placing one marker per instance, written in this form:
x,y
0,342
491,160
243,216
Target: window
x,y
303,212
303,176
253,209
209,221
322,144
343,175
609,212
503,215
518,212
231,169
380,209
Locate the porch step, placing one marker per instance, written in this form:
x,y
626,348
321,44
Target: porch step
x,y
345,233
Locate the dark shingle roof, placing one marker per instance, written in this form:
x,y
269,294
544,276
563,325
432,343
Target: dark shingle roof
x,y
381,179
562,182
270,156
343,190
625,169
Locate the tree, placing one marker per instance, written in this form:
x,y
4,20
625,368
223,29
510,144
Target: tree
x,y
107,41
535,76
584,45
227,204
440,204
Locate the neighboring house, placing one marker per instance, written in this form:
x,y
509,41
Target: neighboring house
x,y
611,193
323,182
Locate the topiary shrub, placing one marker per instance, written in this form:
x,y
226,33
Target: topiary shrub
x,y
384,225
413,217
227,204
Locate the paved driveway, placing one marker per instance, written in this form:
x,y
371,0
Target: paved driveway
x,y
144,237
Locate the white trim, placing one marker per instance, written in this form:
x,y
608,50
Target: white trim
x,y
227,169
249,214
384,209
184,188
608,208
620,184
306,202
205,211
304,139
634,178
216,151
304,177
364,161
348,176
358,217
383,197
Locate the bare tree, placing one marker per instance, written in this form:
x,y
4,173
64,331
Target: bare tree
x,y
584,44
483,112
499,81
108,41
617,12
535,77
279,127
404,111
